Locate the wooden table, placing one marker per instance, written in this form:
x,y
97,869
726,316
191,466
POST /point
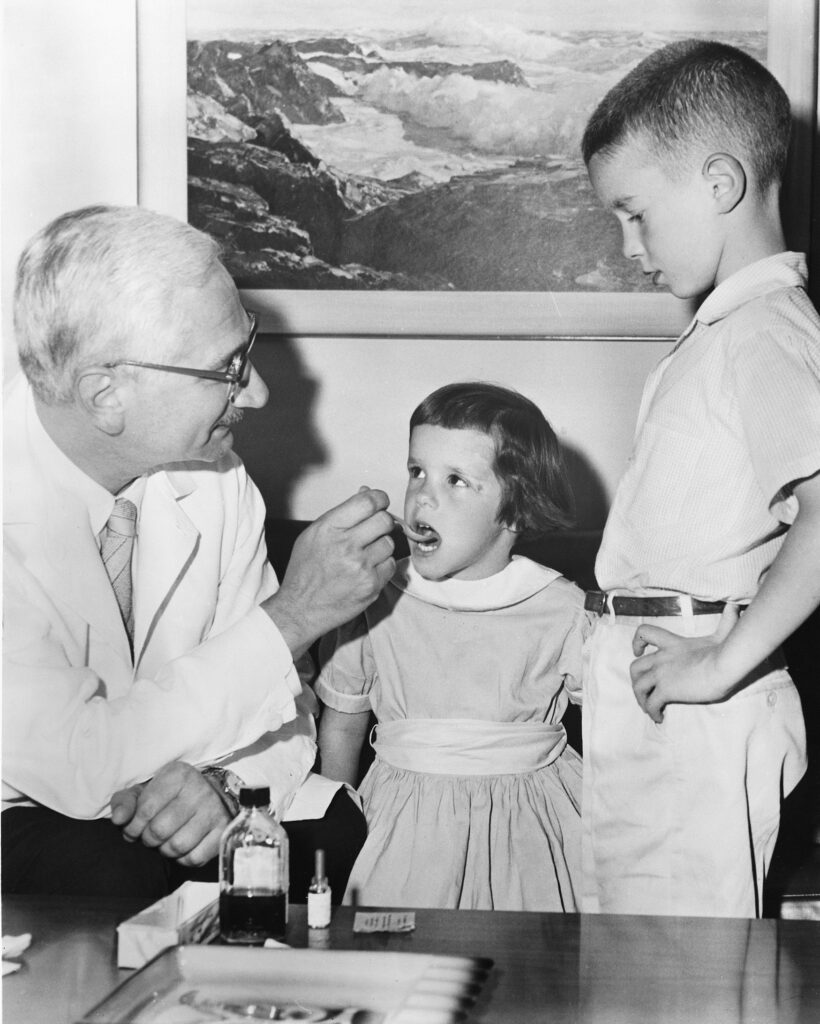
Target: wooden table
x,y
549,968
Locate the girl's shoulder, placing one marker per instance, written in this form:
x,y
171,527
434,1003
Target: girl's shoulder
x,y
558,588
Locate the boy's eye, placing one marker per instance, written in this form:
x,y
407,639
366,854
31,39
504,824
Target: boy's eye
x,y
414,472
456,481
635,218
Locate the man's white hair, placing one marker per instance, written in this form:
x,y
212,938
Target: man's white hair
x,y
99,284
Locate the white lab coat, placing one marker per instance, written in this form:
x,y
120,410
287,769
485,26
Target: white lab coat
x,y
213,679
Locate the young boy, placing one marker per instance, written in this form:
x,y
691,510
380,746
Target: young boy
x,y
693,729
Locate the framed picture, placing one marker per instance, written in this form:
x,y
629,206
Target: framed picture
x,y
397,169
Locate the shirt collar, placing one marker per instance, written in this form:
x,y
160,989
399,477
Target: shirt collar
x,y
783,270
516,582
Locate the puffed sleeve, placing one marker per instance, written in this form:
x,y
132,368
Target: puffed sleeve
x,y
571,661
348,669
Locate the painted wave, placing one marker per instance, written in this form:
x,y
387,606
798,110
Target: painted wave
x,y
461,116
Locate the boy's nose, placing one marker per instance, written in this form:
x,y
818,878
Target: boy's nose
x,y
632,246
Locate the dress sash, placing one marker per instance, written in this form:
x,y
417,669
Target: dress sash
x,y
466,746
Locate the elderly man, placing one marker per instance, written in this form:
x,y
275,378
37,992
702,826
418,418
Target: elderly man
x,y
151,659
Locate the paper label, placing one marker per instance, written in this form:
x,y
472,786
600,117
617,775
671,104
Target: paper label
x,y
384,921
318,909
256,867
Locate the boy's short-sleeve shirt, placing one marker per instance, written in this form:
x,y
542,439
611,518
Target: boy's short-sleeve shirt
x,y
729,422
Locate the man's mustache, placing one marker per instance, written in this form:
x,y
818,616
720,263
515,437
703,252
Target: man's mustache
x,y
232,416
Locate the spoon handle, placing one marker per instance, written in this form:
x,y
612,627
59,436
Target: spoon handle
x,y
407,530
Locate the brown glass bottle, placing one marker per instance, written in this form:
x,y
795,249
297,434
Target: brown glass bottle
x,y
253,873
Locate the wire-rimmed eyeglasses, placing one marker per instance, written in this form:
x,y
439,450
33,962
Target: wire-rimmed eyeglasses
x,y
237,375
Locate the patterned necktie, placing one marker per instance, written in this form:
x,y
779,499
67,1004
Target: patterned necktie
x,y
117,544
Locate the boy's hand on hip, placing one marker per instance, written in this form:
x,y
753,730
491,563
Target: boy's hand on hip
x,y
672,669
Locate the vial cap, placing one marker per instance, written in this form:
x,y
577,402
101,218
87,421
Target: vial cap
x,y
254,796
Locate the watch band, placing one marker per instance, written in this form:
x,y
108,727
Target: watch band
x,y
226,783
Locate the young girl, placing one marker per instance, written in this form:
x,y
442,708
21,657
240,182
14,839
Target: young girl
x,y
467,659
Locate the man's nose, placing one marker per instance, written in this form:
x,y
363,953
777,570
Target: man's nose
x,y
255,394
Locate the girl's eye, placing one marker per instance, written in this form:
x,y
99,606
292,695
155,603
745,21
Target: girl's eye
x,y
456,481
636,218
414,472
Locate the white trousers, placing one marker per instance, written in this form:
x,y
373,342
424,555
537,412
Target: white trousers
x,y
682,817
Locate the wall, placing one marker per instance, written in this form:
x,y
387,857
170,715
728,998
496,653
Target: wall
x,y
69,119
338,412
339,407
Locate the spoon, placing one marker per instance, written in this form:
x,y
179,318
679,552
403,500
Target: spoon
x,y
408,531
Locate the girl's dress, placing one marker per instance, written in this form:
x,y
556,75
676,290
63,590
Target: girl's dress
x,y
473,799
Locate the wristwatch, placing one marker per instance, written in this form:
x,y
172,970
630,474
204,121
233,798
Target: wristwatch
x,y
226,783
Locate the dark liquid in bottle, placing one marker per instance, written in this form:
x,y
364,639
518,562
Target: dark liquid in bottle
x,y
253,918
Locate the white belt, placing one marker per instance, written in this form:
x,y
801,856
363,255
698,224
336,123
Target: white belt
x,y
466,746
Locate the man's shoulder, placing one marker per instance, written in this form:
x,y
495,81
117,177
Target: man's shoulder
x,y
21,471
16,392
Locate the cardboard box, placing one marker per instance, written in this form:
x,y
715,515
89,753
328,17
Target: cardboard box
x,y
190,914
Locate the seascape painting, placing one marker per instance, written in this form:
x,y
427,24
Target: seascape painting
x,y
421,146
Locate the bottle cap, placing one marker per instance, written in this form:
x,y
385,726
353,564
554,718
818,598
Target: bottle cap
x,y
319,868
254,796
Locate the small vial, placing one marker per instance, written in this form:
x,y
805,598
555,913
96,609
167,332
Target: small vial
x,y
318,898
253,873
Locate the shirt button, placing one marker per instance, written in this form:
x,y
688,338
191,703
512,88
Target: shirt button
x,y
771,699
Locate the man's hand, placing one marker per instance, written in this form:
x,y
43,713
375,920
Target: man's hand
x,y
338,566
680,670
178,811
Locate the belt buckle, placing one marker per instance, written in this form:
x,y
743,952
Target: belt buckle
x,y
595,602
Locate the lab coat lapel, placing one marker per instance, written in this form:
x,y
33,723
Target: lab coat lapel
x,y
72,570
167,541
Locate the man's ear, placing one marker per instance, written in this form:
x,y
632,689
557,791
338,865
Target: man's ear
x,y
725,177
102,397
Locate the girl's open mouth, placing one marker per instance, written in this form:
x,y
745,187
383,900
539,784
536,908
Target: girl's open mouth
x,y
431,538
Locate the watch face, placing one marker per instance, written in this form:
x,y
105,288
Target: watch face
x,y
228,782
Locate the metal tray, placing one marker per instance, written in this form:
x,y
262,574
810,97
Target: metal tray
x,y
211,984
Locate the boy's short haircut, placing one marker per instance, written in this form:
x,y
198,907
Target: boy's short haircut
x,y
697,93
536,493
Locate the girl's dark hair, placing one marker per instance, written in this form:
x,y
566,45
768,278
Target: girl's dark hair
x,y
536,494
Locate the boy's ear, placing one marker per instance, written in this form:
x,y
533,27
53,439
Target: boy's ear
x,y
726,179
101,397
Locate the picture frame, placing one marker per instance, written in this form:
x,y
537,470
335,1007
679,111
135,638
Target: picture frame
x,y
162,185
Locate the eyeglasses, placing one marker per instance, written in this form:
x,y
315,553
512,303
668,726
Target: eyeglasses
x,y
236,376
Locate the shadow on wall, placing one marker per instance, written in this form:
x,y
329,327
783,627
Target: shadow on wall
x,y
279,443
591,505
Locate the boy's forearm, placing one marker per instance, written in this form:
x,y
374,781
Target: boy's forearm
x,y
670,669
788,595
